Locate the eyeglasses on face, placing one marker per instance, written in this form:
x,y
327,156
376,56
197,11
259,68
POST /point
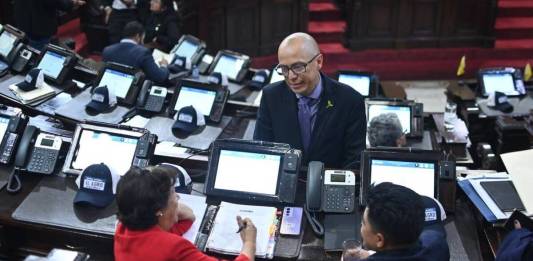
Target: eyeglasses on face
x,y
296,68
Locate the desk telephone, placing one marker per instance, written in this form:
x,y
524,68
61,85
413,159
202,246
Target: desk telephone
x,y
330,191
152,98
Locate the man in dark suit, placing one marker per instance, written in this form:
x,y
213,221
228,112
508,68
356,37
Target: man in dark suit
x,y
309,111
130,51
38,19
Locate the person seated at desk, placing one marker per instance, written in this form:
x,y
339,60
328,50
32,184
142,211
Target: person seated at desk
x,y
152,221
162,25
131,52
385,130
517,245
310,111
393,226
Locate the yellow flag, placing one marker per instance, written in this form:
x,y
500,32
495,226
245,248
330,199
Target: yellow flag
x,y
527,72
462,66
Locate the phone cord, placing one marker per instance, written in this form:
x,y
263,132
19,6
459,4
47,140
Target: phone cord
x,y
315,224
14,185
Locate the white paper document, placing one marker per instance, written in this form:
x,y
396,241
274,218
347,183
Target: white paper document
x,y
159,56
198,206
223,237
431,94
518,164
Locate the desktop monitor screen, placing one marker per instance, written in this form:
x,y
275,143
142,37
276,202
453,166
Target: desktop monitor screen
x,y
52,64
276,77
118,82
250,172
418,176
4,121
360,83
501,82
402,111
7,42
115,150
201,99
229,66
186,49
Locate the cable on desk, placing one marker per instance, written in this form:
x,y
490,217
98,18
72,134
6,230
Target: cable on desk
x,y
14,185
193,154
313,221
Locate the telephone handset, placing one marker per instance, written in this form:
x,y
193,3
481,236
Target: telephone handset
x,y
10,141
152,98
331,191
144,150
22,60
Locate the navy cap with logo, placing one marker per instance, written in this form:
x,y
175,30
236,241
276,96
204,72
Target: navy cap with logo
x,y
218,78
188,120
434,214
101,100
33,80
183,180
501,102
259,80
96,186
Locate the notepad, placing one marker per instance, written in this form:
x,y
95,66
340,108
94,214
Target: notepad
x,y
198,206
34,95
159,55
223,237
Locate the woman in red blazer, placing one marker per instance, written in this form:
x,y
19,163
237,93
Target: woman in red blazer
x,y
152,221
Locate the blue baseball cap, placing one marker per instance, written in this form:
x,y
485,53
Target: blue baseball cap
x,y
96,186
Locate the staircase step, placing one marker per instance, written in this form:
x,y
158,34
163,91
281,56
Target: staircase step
x,y
515,8
514,43
514,23
328,48
323,12
326,27
517,33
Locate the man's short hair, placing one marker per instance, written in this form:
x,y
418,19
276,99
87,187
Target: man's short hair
x,y
384,130
396,212
132,29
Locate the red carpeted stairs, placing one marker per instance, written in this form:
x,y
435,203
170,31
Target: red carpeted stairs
x,y
72,29
514,24
326,26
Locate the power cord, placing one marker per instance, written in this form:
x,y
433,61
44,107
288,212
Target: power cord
x,y
14,185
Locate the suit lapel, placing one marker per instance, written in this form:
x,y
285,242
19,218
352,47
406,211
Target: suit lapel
x,y
325,107
292,122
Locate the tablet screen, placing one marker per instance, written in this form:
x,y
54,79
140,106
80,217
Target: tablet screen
x,y
4,121
229,66
117,82
52,64
7,42
360,83
499,82
247,172
201,99
418,176
187,50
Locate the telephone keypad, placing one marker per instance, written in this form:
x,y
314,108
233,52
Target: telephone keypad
x,y
154,104
338,199
43,160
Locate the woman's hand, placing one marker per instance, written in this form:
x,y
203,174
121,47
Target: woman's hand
x,y
248,236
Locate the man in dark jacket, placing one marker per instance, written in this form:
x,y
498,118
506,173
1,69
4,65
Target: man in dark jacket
x,y
311,112
394,226
131,52
38,19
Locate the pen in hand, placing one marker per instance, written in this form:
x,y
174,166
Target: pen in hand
x,y
242,224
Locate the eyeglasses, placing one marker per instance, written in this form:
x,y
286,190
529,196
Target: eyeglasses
x,y
296,68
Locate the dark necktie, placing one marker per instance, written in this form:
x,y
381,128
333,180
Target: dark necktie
x,y
305,118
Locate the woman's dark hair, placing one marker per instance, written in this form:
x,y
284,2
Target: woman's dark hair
x,y
141,193
168,4
396,212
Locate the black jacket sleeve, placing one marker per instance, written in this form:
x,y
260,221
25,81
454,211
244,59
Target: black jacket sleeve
x,y
355,133
263,126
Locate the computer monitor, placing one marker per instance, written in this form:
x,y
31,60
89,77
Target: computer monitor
x,y
233,65
7,43
4,122
501,80
252,171
56,63
275,77
122,80
208,99
362,82
417,170
189,47
94,144
403,112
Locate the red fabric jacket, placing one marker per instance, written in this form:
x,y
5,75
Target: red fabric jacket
x,y
156,244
